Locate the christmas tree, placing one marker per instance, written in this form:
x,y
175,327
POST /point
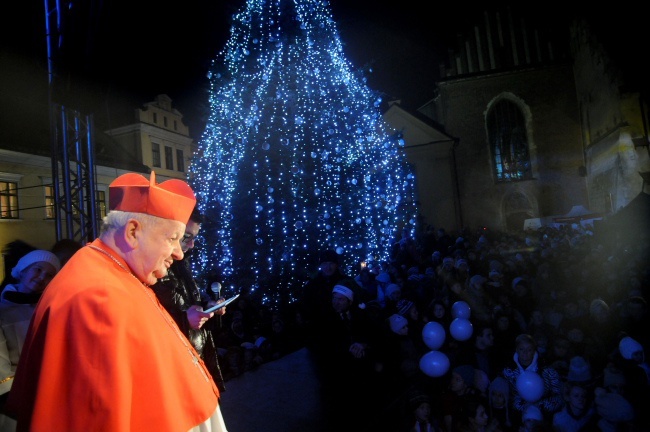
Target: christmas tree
x,y
295,158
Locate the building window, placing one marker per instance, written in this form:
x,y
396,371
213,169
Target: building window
x,y
101,204
155,155
8,200
169,158
175,125
49,201
155,117
508,142
180,161
165,120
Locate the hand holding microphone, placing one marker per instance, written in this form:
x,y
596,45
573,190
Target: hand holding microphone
x,y
215,287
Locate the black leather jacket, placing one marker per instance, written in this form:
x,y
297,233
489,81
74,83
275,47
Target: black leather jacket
x,y
177,292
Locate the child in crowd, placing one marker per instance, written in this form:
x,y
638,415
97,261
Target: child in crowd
x,y
498,409
578,415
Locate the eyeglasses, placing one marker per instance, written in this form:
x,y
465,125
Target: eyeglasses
x,y
187,238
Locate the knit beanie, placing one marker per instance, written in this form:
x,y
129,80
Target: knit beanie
x,y
466,372
383,277
343,290
391,289
627,346
403,306
34,257
579,370
397,323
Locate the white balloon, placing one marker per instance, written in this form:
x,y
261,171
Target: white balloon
x,y
461,329
460,309
433,335
530,386
434,364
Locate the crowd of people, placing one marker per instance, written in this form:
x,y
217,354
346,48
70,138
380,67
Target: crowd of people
x,y
554,339
542,330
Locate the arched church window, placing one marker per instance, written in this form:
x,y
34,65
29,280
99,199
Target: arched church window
x,y
508,139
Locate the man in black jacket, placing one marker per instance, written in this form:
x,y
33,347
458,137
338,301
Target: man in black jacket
x,y
182,298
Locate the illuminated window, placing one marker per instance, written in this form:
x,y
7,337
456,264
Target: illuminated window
x,y
9,200
101,203
509,142
180,161
155,155
49,201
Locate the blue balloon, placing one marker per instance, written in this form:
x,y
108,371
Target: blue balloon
x,y
433,335
530,386
460,309
461,329
434,364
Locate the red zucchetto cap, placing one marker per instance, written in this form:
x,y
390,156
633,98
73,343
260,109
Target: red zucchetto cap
x,y
171,199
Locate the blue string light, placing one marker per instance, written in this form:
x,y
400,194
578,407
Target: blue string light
x,y
295,157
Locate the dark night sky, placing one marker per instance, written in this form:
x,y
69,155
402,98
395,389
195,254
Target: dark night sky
x,y
132,53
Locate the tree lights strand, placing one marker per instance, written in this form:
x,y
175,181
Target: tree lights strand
x,y
295,157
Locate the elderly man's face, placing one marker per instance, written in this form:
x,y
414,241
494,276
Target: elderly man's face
x,y
156,247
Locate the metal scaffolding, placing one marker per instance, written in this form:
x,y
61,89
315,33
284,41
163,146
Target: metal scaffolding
x,y
72,146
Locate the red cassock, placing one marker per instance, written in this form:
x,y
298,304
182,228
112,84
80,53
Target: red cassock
x,y
102,354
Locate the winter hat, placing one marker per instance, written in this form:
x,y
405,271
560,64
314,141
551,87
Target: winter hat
x,y
413,271
501,385
598,304
397,322
518,280
460,262
613,376
329,256
532,413
494,273
466,372
390,289
403,306
34,257
579,370
383,277
496,265
343,290
627,346
613,407
477,280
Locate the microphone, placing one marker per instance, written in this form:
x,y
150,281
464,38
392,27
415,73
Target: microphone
x,y
215,287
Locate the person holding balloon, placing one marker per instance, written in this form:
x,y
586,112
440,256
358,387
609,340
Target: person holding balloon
x,y
532,382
